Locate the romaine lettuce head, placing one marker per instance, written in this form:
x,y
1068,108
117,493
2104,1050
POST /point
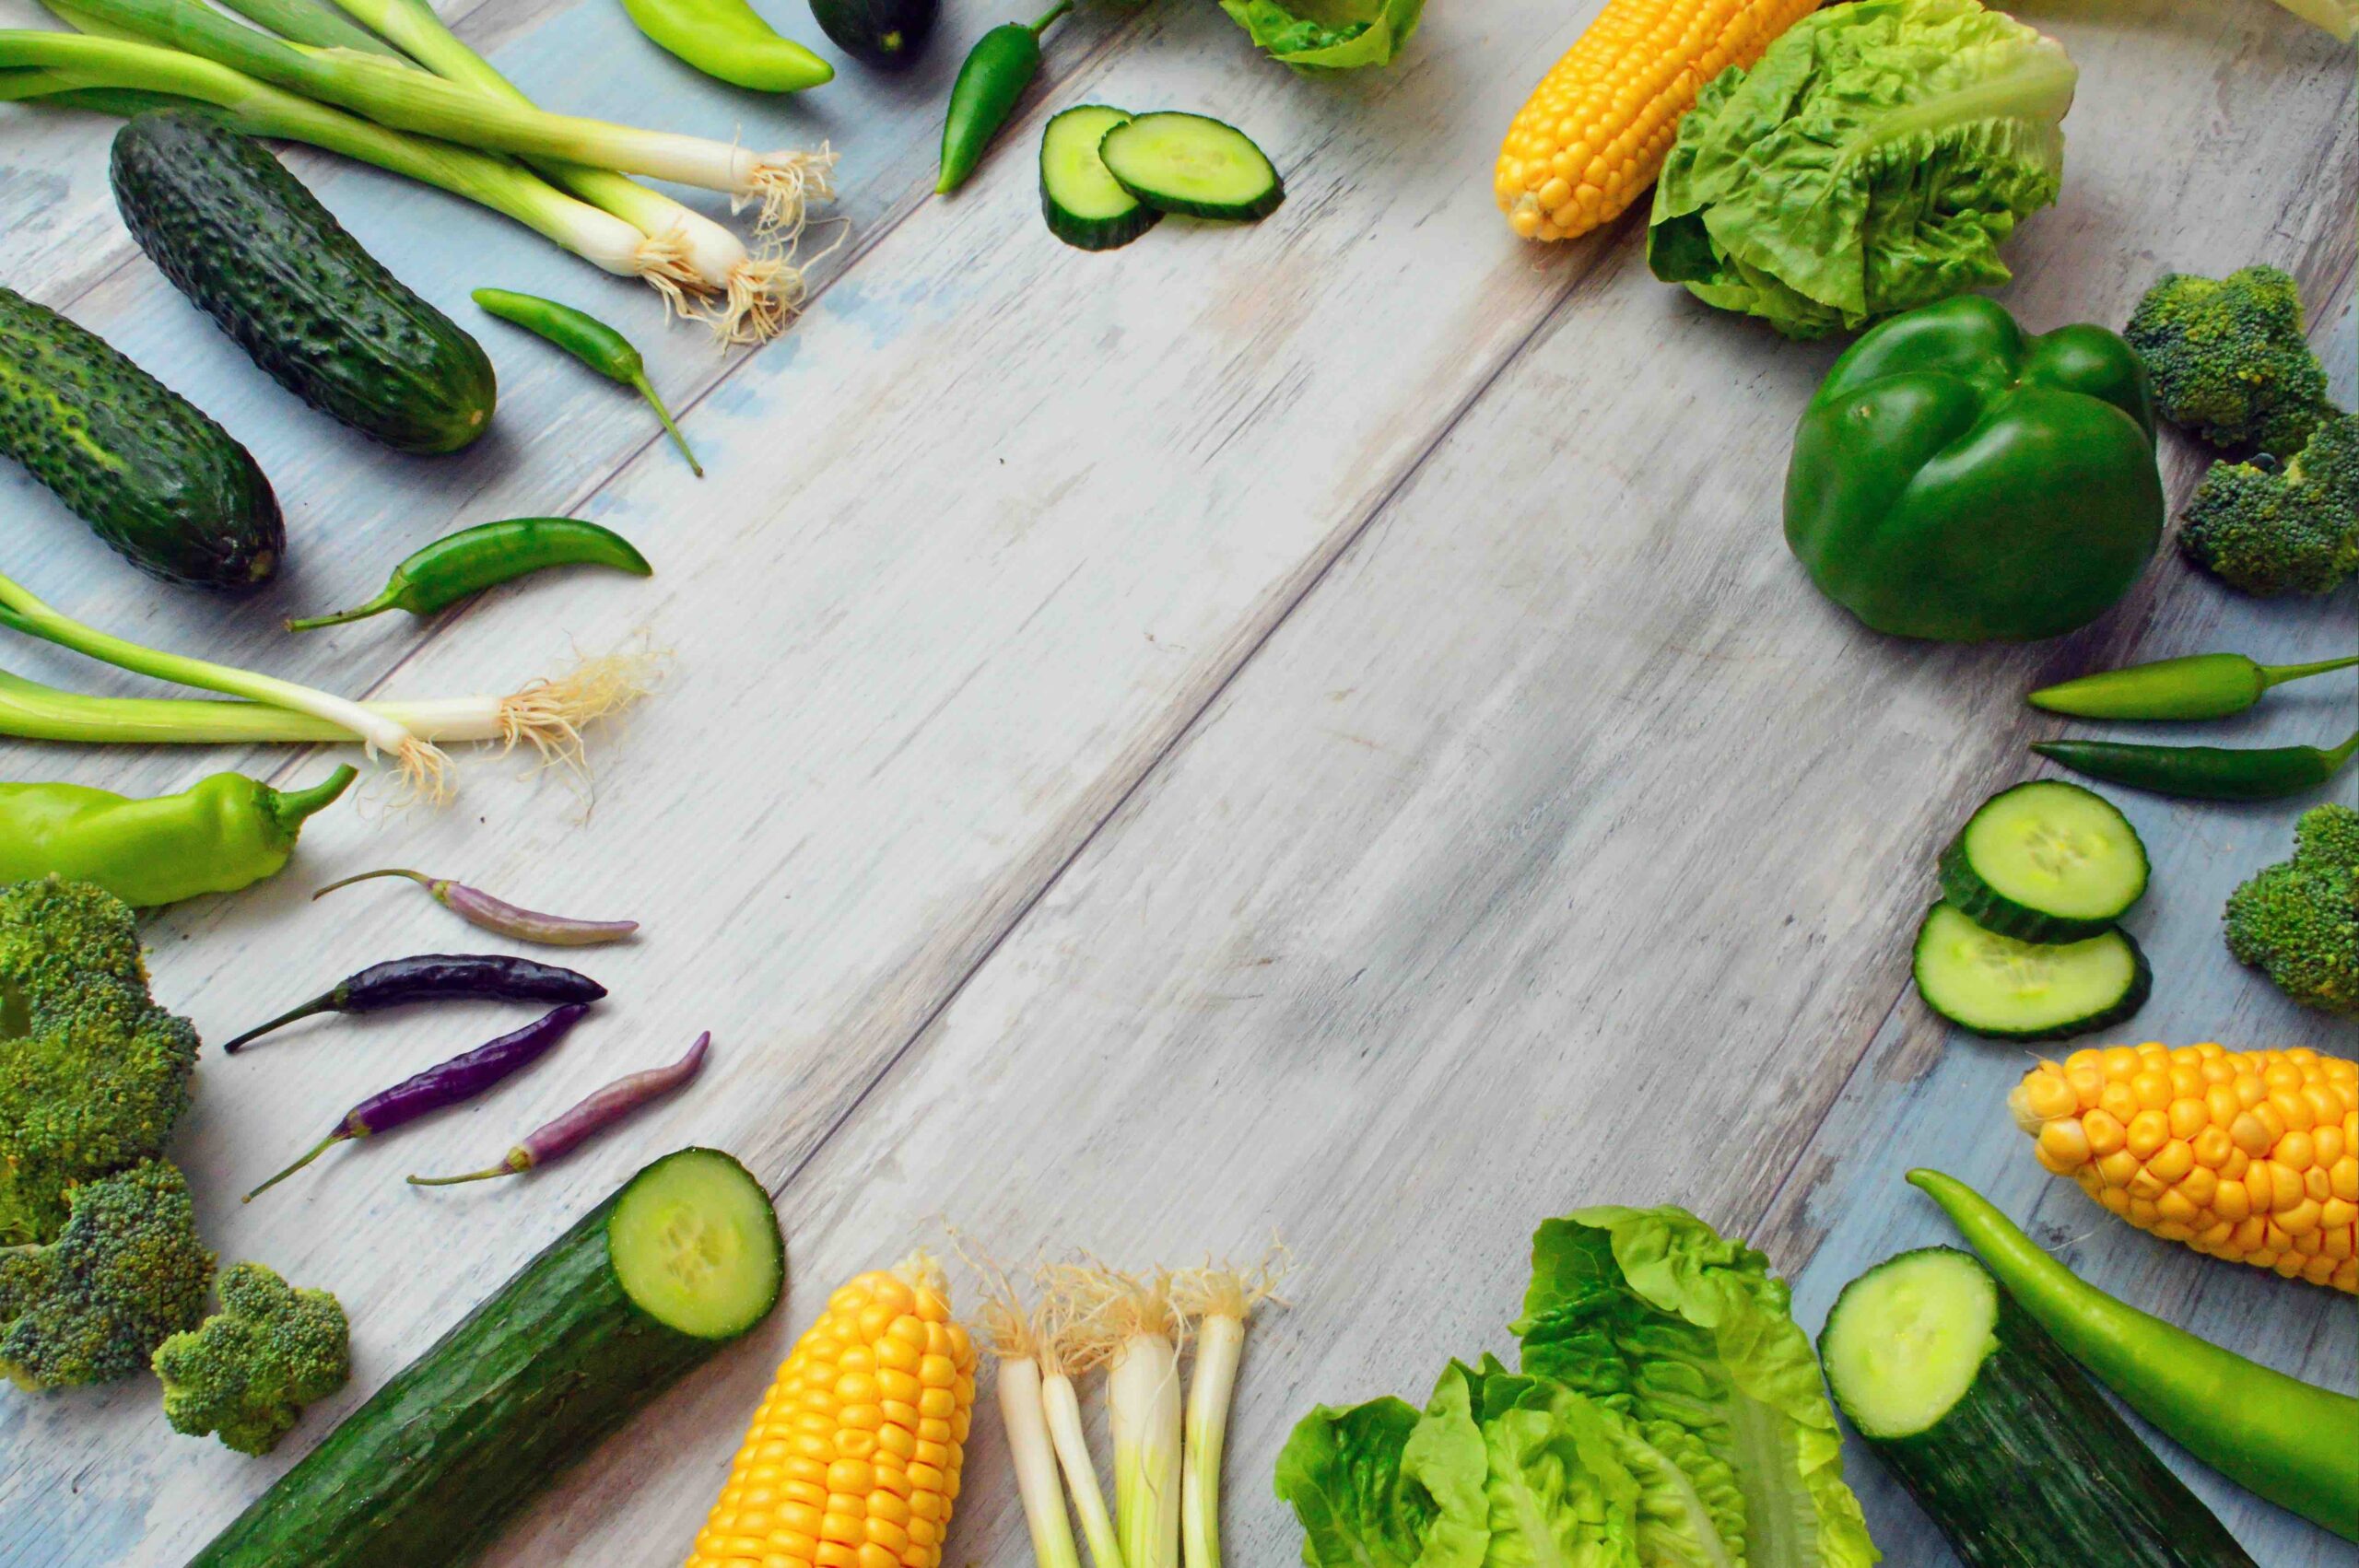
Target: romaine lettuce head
x,y
1327,35
1371,1483
1872,161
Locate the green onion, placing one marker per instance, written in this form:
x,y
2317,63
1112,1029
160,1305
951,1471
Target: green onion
x,y
1068,1345
1219,1300
1016,1338
1135,1326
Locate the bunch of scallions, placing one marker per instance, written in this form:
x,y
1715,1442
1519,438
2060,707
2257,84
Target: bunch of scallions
x,y
547,715
385,82
1167,1453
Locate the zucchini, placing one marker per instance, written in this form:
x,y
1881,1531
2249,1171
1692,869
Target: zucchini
x,y
2022,990
146,468
685,1259
242,238
1994,1431
2045,862
1193,165
888,34
1086,207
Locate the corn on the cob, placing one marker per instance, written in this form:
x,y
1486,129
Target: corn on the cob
x,y
1594,135
2249,1156
852,1461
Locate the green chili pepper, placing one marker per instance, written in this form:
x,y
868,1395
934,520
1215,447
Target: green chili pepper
x,y
2204,773
442,573
998,69
2203,686
725,38
227,832
589,340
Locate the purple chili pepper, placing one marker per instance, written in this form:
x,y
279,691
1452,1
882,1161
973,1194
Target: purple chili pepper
x,y
480,908
439,976
601,1110
461,1078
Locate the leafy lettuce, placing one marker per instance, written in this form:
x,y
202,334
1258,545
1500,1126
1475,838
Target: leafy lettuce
x,y
1327,35
1872,161
1668,1414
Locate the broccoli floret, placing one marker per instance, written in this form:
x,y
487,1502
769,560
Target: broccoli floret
x,y
2228,359
125,1272
250,1369
2282,530
2299,919
93,1074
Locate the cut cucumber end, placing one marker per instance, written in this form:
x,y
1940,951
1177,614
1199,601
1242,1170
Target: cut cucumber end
x,y
1086,207
2046,861
1193,165
2009,990
695,1242
1904,1340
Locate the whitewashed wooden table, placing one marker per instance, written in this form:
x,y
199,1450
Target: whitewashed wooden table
x,y
1309,728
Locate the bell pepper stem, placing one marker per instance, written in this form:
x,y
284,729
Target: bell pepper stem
x,y
291,806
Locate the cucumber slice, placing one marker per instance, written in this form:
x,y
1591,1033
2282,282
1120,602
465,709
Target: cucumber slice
x,y
694,1243
1086,207
2019,990
1192,164
2045,862
1994,1431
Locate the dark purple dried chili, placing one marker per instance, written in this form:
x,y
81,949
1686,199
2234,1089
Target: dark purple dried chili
x,y
613,1104
439,976
480,908
448,1083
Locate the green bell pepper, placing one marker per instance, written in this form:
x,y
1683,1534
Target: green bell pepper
x,y
1953,479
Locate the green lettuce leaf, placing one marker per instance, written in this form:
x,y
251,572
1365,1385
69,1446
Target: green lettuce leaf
x,y
1872,161
1372,1484
1650,1315
1329,35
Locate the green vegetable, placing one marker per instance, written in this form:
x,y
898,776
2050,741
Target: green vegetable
x,y
1872,161
225,833
2204,773
996,71
888,34
1086,207
2008,990
1668,1412
93,1074
252,248
1315,36
248,1370
1964,1397
151,473
589,340
728,40
2229,360
2202,686
2269,530
2045,862
2298,920
1193,165
653,1282
1953,479
2272,1434
125,1272
436,576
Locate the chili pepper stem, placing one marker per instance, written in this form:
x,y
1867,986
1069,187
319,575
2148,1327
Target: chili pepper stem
x,y
292,806
2278,674
418,877
318,1004
389,600
1050,14
339,1136
646,390
500,1170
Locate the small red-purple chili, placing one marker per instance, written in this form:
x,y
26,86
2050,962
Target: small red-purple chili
x,y
480,908
448,1083
439,976
601,1110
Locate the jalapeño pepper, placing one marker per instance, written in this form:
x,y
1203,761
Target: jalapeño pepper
x,y
439,575
227,832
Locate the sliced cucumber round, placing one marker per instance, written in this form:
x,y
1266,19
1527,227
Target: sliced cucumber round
x,y
2045,862
1904,1340
694,1244
2008,990
1192,164
1086,207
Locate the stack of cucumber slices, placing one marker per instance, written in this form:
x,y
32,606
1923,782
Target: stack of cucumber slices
x,y
1108,176
2022,945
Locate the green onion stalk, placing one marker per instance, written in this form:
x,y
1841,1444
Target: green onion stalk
x,y
1218,1302
1137,1332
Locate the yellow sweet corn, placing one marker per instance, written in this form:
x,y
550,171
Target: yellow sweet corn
x,y
1594,135
2249,1156
852,1461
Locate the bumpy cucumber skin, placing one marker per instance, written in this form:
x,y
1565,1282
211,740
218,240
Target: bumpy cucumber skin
x,y
242,238
1254,211
1090,233
1994,911
2033,1468
150,472
2141,986
428,1471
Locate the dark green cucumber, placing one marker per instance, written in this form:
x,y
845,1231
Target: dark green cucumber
x,y
686,1258
1086,207
1193,165
146,468
2019,991
1997,1433
2045,862
889,33
241,236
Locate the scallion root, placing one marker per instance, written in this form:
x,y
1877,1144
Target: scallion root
x,y
785,184
551,715
1139,1333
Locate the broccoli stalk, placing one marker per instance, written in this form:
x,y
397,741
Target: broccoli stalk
x,y
247,1372
125,1272
2299,919
2269,530
2229,362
